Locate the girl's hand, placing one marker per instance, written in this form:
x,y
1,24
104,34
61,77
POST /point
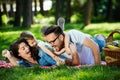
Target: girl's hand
x,y
6,53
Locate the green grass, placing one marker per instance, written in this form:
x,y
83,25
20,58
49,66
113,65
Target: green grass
x,y
8,34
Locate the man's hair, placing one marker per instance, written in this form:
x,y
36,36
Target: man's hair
x,y
53,29
43,29
27,35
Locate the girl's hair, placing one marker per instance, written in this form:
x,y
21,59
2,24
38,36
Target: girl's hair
x,y
53,29
27,35
14,47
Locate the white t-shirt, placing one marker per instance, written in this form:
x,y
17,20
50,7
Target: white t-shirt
x,y
84,53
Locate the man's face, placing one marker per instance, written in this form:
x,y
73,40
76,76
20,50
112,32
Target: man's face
x,y
56,41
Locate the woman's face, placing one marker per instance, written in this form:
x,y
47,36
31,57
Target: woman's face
x,y
24,50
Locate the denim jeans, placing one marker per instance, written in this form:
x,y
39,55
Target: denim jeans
x,y
101,43
45,59
24,63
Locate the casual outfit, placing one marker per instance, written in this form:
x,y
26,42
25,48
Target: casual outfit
x,y
85,53
44,60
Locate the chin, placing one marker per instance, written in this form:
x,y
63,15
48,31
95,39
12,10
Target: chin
x,y
57,49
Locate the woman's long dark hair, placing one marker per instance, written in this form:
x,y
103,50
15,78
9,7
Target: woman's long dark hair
x,y
15,46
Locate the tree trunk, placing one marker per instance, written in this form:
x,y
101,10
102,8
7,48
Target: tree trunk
x,y
35,12
57,12
68,11
11,10
95,6
18,13
41,7
4,8
0,17
109,11
88,12
27,13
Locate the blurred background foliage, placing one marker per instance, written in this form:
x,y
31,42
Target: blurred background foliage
x,y
24,13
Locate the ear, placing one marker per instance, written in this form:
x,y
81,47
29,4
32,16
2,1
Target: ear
x,y
61,37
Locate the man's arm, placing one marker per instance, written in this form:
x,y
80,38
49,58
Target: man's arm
x,y
95,49
75,58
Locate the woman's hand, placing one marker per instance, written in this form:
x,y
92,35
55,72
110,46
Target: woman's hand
x,y
6,53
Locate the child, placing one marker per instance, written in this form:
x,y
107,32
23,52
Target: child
x,y
29,37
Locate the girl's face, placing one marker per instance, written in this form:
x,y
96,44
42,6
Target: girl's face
x,y
32,42
24,50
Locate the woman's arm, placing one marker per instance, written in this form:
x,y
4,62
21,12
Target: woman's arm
x,y
95,49
10,57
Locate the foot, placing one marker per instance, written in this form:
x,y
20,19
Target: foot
x,y
61,22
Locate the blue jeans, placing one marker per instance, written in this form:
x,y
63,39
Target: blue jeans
x,y
101,43
24,63
45,59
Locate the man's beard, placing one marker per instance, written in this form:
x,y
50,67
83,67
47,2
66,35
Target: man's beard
x,y
60,47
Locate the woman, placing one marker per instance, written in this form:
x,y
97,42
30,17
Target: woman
x,y
24,55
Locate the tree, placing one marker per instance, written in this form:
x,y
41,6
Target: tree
x,y
11,10
18,13
108,10
4,8
68,11
27,13
35,12
41,7
87,12
57,13
0,17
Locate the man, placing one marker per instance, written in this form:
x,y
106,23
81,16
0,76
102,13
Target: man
x,y
82,48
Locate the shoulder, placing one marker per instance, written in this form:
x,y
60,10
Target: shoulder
x,y
74,31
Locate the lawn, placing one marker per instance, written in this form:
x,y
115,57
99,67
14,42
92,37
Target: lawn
x,y
8,34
